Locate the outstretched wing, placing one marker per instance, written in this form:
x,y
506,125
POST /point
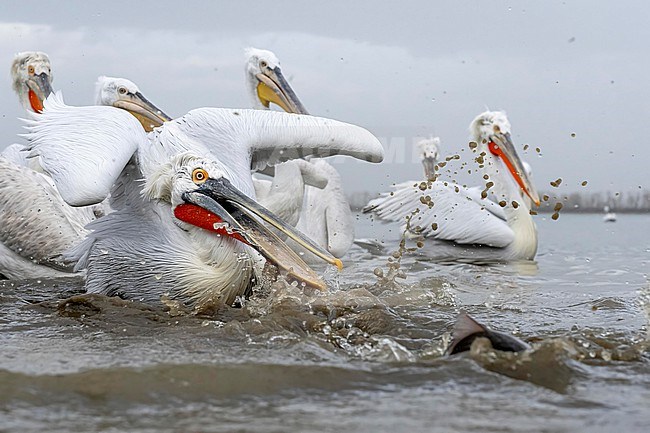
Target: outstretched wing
x,y
445,211
245,139
83,149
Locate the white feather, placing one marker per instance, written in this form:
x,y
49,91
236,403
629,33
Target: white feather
x,y
457,214
83,149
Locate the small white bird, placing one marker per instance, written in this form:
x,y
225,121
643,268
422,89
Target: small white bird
x,y
439,210
429,153
609,216
194,234
322,212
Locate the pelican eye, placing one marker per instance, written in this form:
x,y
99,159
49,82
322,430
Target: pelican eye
x,y
121,90
263,64
30,70
199,176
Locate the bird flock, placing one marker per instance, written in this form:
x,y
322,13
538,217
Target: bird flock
x,y
200,207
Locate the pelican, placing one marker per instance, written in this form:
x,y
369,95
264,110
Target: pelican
x,y
194,234
609,216
322,212
31,78
445,211
36,225
429,152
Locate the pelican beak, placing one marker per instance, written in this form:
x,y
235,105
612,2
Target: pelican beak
x,y
429,164
244,218
39,89
148,114
273,88
501,145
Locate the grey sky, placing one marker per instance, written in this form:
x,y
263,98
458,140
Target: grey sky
x,y
401,69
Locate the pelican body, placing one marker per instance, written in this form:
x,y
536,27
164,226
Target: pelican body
x,y
320,211
483,229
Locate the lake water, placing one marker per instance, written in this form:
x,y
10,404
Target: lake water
x,y
365,356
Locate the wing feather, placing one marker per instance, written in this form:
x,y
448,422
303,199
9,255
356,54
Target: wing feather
x,y
83,149
263,137
443,211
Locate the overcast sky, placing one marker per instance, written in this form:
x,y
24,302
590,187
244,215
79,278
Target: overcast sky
x,y
400,69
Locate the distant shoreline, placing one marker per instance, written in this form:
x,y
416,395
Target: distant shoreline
x,y
629,202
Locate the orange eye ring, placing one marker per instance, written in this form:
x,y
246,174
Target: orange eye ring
x,y
30,70
199,176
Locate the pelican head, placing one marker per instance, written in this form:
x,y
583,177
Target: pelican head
x,y
123,93
491,132
201,195
267,84
31,75
429,153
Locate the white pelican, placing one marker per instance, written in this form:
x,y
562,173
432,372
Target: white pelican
x,y
193,234
36,225
31,78
609,216
447,211
429,151
323,213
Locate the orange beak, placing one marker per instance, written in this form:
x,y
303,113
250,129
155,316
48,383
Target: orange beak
x,y
501,146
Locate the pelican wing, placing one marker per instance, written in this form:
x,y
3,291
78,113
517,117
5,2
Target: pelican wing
x,y
241,139
443,211
267,137
35,223
284,136
475,193
83,149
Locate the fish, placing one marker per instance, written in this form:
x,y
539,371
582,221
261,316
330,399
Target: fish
x,y
466,330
